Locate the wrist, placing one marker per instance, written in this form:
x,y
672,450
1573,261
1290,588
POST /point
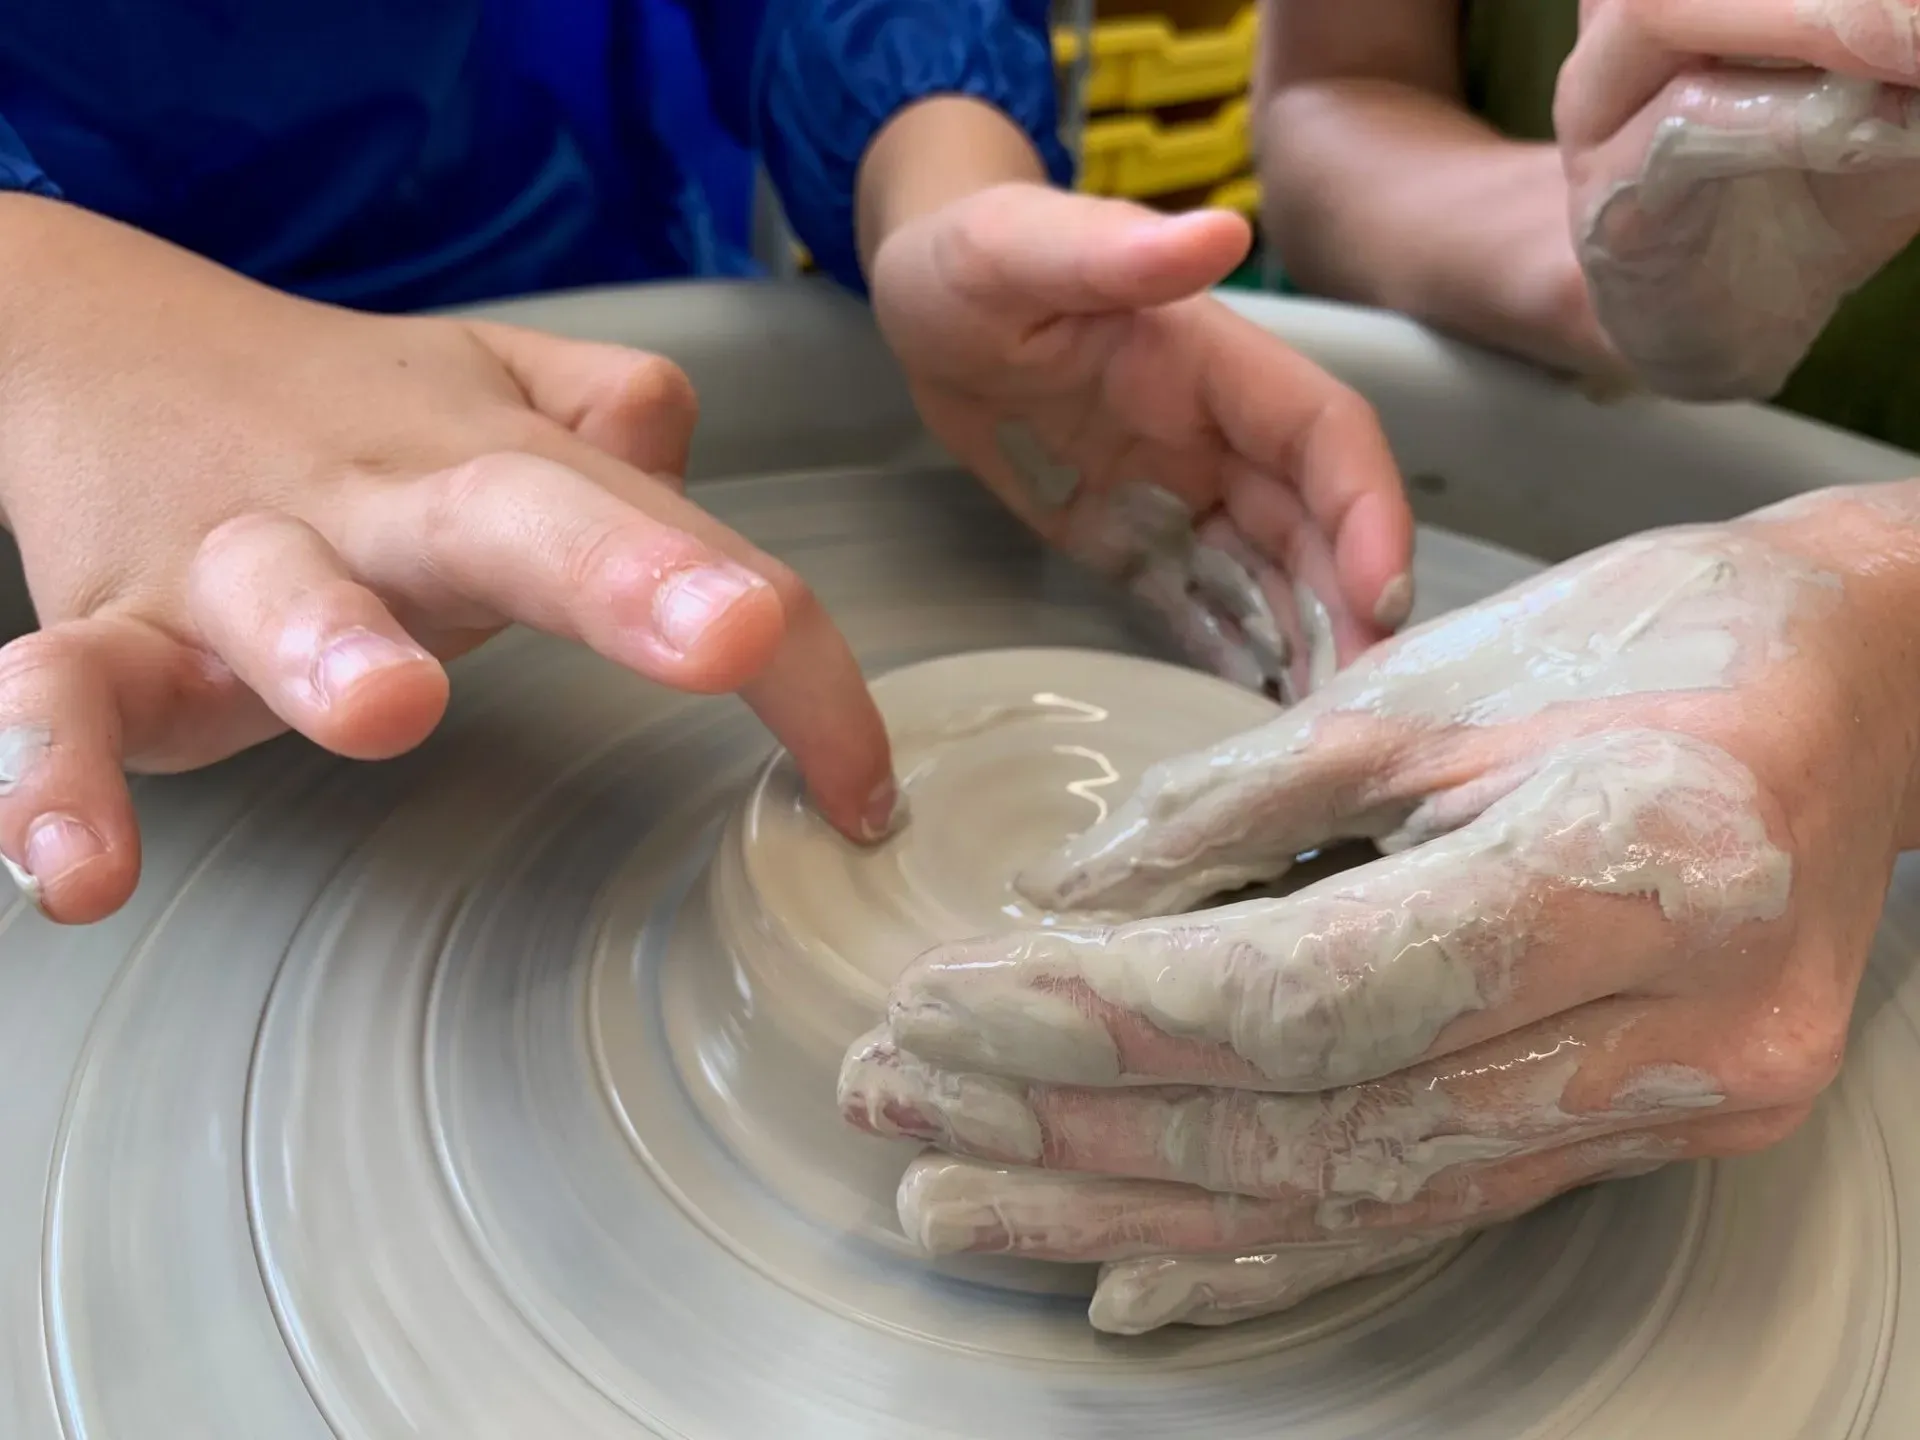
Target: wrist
x,y
1888,566
1386,194
933,153
1514,282
1869,537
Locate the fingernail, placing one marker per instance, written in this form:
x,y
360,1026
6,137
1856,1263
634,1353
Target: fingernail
x,y
351,656
886,812
57,845
956,1229
908,1099
1395,604
1133,1298
688,603
942,1222
1159,226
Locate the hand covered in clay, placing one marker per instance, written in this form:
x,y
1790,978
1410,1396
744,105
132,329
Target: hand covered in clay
x,y
242,513
1734,172
1638,817
1065,349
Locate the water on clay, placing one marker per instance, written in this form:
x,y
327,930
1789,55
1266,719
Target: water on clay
x,y
490,1092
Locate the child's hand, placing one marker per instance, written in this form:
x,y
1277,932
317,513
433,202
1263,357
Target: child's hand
x,y
242,513
1064,347
1723,207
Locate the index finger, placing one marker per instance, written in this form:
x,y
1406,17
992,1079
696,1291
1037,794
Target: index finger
x,y
573,542
1621,853
811,693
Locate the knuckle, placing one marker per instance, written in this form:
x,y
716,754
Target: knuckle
x,y
970,252
609,555
797,599
518,434
481,478
336,604
605,561
481,485
238,534
25,660
1792,1055
1346,410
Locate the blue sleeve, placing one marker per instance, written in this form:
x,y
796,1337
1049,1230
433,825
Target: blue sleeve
x,y
17,170
830,73
728,33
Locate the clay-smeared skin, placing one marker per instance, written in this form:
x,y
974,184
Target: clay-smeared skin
x,y
1590,945
1721,223
326,1088
1671,612
1229,611
21,749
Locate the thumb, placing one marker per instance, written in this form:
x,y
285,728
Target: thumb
x,y
1074,254
635,406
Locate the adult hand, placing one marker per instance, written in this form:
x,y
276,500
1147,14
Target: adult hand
x,y
1733,173
1639,815
242,513
1065,349
1381,187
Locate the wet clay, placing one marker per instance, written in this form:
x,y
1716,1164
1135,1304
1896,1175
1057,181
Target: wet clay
x,y
21,748
469,1095
1207,586
1767,193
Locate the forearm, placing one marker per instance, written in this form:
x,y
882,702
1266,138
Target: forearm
x,y
934,153
1384,194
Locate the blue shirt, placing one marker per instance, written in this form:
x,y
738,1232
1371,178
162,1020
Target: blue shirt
x,y
400,154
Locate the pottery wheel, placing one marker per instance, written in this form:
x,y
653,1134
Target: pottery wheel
x,y
489,1093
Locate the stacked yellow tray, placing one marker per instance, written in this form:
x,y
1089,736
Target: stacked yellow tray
x,y
1147,62
1143,156
1140,64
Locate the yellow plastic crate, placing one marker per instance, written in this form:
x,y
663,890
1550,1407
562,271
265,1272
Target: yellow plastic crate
x,y
1138,156
1241,193
1146,62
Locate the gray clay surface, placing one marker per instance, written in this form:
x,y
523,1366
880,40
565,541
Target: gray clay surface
x,y
435,1099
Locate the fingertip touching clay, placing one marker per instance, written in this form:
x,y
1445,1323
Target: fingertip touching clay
x,y
22,748
482,1128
